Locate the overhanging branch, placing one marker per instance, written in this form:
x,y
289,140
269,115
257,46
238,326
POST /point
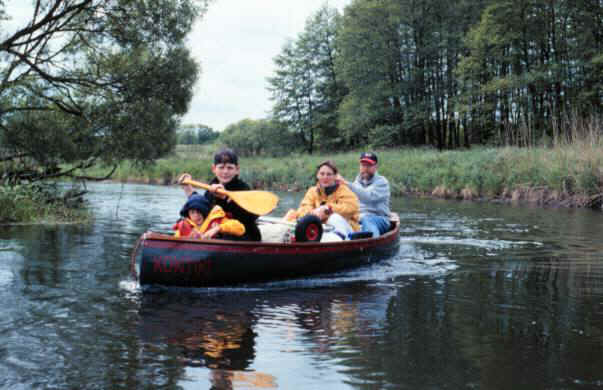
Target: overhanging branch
x,y
92,178
14,157
47,20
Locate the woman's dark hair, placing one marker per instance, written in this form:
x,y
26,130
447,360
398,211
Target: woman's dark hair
x,y
328,163
226,156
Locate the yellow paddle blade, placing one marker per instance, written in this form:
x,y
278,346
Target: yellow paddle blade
x,y
256,202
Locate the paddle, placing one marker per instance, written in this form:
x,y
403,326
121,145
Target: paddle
x,y
256,202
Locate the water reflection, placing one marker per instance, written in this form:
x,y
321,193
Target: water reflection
x,y
479,296
203,331
211,332
494,330
219,332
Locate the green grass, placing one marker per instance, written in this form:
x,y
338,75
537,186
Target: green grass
x,y
27,204
486,172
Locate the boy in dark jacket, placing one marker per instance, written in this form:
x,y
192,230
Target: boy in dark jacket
x,y
226,171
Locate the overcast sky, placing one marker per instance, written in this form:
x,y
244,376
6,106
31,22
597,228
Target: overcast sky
x,y
235,43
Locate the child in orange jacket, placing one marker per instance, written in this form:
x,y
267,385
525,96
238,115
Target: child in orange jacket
x,y
199,222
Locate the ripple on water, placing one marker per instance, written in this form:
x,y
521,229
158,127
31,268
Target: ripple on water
x,y
474,242
6,277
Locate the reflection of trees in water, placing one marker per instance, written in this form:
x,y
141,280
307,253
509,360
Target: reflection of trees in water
x,y
523,328
541,325
330,322
389,341
47,250
341,324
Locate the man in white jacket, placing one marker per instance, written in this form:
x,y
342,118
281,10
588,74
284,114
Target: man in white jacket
x,y
373,193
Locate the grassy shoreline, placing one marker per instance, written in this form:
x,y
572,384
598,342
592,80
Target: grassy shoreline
x,y
25,205
562,176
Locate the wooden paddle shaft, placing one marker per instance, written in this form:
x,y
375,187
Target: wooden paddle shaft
x,y
199,184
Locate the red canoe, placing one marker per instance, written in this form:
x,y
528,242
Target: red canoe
x,y
168,261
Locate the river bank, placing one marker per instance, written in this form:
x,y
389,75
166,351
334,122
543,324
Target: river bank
x,y
564,176
37,204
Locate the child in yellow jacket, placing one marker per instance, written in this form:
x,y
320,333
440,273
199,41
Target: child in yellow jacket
x,y
199,222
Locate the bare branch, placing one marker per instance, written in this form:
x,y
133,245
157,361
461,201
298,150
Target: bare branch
x,y
47,20
48,77
92,178
14,157
36,175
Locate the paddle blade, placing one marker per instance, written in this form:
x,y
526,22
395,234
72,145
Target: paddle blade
x,y
256,202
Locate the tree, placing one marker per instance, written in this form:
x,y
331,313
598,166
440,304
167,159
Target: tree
x,y
254,137
196,134
443,74
398,59
206,134
94,81
306,88
529,65
370,67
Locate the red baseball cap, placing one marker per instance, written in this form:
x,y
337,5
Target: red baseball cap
x,y
369,158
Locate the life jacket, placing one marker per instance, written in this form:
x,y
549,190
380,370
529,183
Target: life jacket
x,y
216,217
185,227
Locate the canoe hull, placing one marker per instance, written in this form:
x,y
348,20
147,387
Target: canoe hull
x,y
168,261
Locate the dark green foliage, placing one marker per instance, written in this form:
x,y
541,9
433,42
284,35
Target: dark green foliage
x,y
306,88
196,135
99,82
529,64
445,74
254,137
397,60
39,203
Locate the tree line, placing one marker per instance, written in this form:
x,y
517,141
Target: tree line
x,y
430,73
196,134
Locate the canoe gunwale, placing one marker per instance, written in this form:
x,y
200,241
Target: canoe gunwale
x,y
255,244
309,253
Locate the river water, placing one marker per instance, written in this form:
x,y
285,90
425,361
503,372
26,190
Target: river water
x,y
480,296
